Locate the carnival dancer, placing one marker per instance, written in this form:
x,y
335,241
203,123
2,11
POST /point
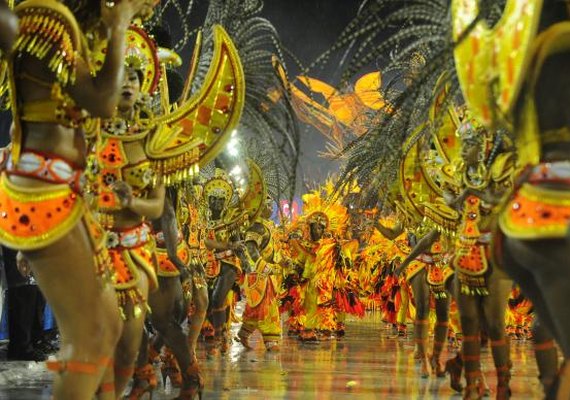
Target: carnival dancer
x,y
291,299
430,253
137,163
223,265
261,284
53,90
127,198
532,242
195,225
320,253
470,25
417,276
475,183
168,305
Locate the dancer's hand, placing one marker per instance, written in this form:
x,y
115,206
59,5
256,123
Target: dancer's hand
x,y
237,247
8,28
124,192
401,269
120,13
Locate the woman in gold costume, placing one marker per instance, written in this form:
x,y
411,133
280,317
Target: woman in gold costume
x,y
43,212
173,262
532,243
127,198
475,185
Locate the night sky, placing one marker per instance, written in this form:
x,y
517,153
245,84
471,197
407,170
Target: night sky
x,y
308,28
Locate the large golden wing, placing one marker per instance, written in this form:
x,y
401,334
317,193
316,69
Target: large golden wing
x,y
442,146
197,131
491,61
255,195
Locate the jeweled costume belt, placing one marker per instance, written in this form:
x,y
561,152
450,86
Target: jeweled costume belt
x,y
47,168
129,238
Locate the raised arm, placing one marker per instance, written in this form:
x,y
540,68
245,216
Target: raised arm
x,y
99,94
389,233
8,28
421,246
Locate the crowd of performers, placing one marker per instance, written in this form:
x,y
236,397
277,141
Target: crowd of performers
x,y
108,189
459,185
470,153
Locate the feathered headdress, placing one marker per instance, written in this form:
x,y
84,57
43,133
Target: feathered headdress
x,y
332,215
219,186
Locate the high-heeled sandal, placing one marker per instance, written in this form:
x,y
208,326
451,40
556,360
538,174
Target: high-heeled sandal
x,y
243,336
272,346
225,342
169,369
193,383
436,367
475,389
560,389
153,355
213,344
143,375
424,367
308,336
474,392
454,367
503,379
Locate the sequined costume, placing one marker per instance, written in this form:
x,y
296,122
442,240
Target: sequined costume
x,y
262,286
472,253
32,218
132,248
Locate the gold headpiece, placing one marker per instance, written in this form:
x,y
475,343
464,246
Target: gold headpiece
x,y
142,55
331,214
219,186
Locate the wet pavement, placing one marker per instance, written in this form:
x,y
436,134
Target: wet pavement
x,y
366,364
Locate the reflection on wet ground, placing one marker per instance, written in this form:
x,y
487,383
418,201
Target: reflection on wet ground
x,y
366,364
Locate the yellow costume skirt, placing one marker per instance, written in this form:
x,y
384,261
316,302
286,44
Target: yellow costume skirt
x,y
263,314
536,212
166,267
34,218
435,278
471,264
129,262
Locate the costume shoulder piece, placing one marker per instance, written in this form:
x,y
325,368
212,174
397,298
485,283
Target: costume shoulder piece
x,y
255,194
195,132
491,61
48,28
